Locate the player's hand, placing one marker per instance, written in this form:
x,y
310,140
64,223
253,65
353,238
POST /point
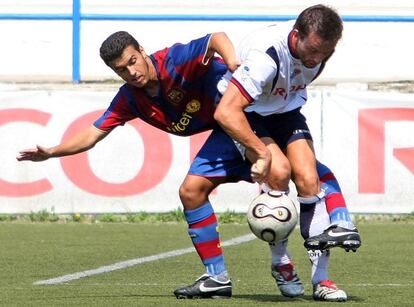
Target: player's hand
x,y
36,154
233,64
260,169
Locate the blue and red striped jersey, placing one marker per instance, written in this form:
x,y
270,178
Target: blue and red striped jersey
x,y
187,97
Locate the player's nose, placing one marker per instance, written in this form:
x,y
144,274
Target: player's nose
x,y
131,71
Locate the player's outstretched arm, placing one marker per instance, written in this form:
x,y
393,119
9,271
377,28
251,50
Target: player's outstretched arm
x,y
80,142
220,43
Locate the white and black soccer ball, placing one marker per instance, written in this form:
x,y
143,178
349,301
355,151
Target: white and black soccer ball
x,y
272,216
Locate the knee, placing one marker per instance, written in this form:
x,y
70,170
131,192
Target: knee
x,y
307,183
192,196
187,193
279,175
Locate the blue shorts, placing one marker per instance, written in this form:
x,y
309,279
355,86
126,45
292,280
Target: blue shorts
x,y
219,156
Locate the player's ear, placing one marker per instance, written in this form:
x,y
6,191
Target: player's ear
x,y
295,34
142,51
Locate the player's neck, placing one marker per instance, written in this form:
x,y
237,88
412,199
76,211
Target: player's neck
x,y
152,87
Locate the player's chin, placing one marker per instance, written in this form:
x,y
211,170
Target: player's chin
x,y
140,82
135,84
310,64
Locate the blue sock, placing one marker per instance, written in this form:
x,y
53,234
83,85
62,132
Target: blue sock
x,y
203,230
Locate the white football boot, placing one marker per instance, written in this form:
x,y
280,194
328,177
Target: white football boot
x,y
326,290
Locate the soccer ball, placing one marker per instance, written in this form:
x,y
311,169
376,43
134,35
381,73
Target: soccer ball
x,y
272,216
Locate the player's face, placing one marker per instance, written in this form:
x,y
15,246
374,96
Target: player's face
x,y
132,66
312,49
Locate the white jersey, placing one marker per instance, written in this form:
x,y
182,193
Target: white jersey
x,y
270,77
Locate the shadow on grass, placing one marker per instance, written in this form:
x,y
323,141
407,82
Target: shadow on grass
x,y
279,298
272,298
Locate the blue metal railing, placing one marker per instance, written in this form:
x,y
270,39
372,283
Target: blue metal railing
x,y
76,17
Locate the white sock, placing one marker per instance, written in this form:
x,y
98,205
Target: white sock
x,y
320,220
279,253
319,262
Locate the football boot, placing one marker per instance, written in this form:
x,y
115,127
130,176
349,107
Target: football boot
x,y
287,280
205,287
335,236
326,290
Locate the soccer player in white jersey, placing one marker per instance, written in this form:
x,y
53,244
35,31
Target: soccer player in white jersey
x,y
260,109
265,95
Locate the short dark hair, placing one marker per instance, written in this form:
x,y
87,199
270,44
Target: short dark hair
x,y
115,44
322,20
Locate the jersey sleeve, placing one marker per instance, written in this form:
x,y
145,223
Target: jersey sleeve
x,y
188,59
256,73
117,114
194,50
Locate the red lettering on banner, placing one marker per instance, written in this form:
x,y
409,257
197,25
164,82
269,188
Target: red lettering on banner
x,y
157,161
371,145
406,157
21,189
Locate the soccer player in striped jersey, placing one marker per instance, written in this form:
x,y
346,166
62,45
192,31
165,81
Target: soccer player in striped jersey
x,y
175,90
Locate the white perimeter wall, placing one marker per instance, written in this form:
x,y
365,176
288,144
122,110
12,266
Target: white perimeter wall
x,y
364,137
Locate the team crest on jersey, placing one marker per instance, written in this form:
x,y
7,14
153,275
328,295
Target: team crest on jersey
x,y
175,95
193,106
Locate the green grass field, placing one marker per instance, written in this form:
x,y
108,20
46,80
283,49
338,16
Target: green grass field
x,y
381,273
